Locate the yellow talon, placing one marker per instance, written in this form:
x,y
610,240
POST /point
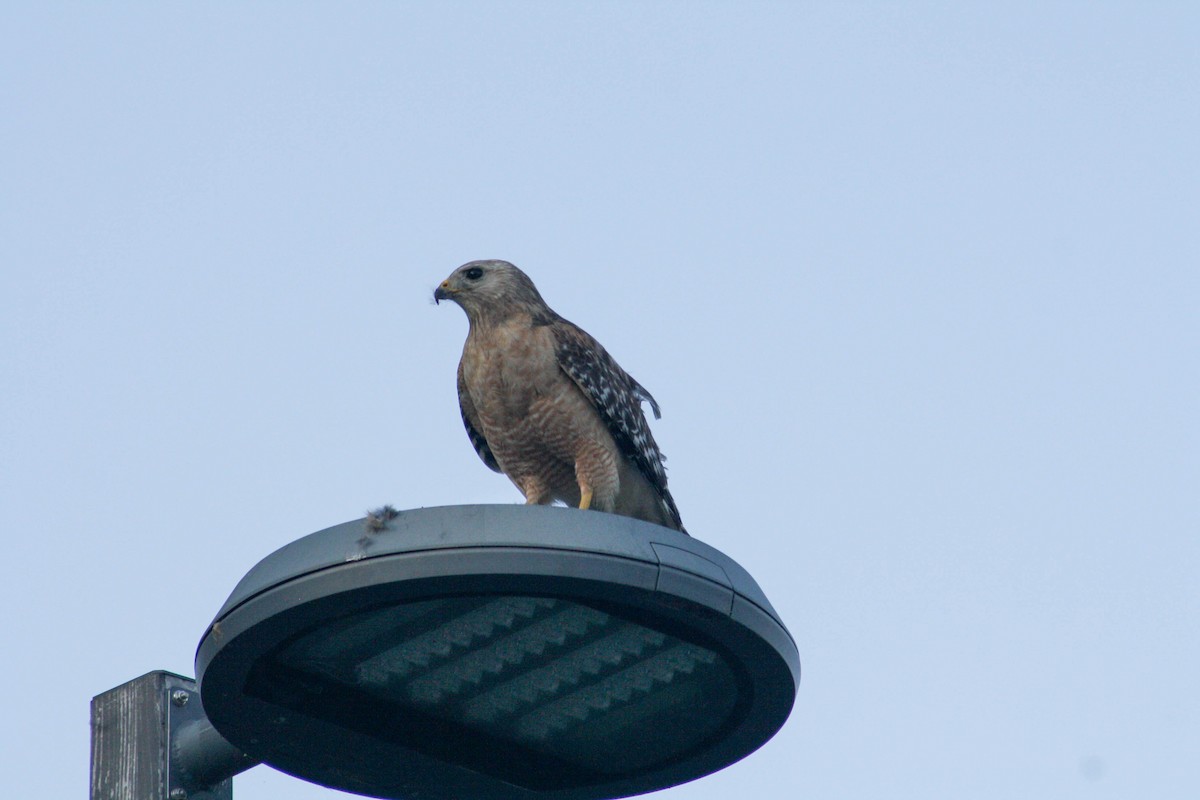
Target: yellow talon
x,y
585,499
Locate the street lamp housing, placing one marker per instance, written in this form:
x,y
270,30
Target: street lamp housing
x,y
503,652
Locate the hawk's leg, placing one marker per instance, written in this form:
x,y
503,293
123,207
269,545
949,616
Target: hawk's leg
x,y
535,491
597,479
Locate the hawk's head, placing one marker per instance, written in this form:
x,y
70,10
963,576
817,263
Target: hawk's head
x,y
490,289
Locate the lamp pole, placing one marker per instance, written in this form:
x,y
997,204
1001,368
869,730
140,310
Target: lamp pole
x,y
152,741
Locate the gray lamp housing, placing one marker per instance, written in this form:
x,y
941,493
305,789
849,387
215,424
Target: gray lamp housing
x,y
506,652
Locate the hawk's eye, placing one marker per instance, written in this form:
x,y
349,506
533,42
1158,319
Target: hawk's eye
x,y
474,274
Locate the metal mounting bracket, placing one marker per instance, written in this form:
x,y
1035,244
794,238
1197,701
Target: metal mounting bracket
x,y
185,723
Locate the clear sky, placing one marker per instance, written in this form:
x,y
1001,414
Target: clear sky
x,y
915,284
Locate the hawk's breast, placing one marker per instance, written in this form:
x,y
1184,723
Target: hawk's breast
x,y
531,412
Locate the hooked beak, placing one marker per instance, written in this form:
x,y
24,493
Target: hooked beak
x,y
442,292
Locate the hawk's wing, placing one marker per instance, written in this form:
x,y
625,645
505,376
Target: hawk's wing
x,y
617,398
471,423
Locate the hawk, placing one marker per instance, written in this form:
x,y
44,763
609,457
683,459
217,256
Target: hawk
x,y
545,404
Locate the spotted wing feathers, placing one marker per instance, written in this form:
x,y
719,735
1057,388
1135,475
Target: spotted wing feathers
x,y
618,398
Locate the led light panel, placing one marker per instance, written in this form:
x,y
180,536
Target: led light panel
x,y
554,677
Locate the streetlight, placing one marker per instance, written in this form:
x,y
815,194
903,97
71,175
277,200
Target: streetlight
x,y
504,652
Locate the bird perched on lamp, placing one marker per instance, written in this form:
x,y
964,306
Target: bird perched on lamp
x,y
545,404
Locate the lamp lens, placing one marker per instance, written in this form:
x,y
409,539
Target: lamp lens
x,y
540,692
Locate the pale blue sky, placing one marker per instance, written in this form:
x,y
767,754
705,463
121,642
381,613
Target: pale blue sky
x,y
915,284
